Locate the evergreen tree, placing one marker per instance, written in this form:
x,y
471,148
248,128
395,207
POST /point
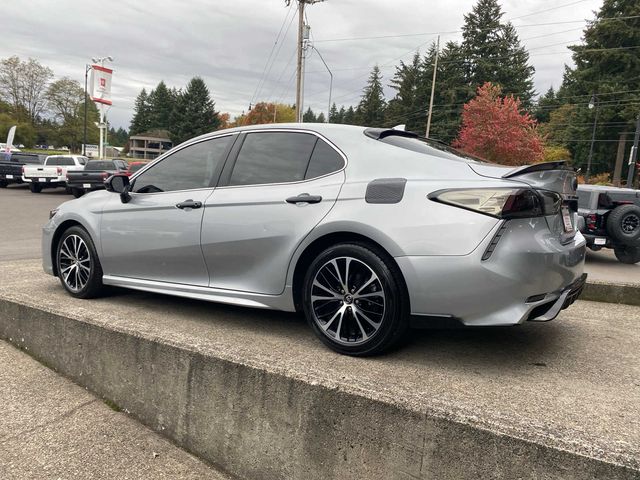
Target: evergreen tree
x,y
493,52
546,103
141,121
606,67
407,106
161,103
194,113
350,116
372,105
333,114
309,116
341,113
321,118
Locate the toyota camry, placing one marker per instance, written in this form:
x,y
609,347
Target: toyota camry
x,y
365,230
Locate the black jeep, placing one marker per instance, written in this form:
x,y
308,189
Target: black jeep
x,y
611,220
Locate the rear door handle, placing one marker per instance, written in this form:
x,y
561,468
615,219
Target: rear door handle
x,y
305,198
188,204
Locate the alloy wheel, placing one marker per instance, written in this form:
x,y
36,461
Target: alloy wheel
x,y
348,301
74,260
630,223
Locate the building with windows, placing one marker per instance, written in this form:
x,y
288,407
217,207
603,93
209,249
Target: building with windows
x,y
149,145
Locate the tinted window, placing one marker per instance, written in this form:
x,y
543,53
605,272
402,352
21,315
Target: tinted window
x,y
26,158
99,165
189,168
324,160
66,161
430,147
272,157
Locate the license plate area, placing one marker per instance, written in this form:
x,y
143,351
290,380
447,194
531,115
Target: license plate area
x,y
566,219
86,185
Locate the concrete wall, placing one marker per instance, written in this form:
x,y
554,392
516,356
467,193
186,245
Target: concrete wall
x,y
256,424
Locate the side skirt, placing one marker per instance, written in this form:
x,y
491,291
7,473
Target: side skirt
x,y
231,297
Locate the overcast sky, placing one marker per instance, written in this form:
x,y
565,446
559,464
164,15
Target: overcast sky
x,y
227,42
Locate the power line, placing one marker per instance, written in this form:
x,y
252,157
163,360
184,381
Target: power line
x,y
566,22
271,58
547,10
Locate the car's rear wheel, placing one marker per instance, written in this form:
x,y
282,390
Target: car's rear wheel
x,y
77,192
3,184
35,187
627,254
355,301
623,224
78,264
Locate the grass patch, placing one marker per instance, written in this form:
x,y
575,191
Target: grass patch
x,y
112,405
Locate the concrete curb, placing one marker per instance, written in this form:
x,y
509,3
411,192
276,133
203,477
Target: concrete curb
x,y
255,423
611,293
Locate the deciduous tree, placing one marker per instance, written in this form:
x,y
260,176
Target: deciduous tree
x,y
497,129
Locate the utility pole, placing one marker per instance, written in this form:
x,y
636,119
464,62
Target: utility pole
x,y
433,88
301,48
633,155
593,103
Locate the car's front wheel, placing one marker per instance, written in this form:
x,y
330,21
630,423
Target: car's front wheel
x,y
355,301
78,265
627,254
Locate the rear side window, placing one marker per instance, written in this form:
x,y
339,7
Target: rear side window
x,y
190,168
273,157
60,161
324,160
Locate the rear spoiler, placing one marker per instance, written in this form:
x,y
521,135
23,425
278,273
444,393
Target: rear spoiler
x,y
538,167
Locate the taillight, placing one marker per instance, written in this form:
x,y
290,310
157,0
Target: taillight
x,y
23,170
591,221
59,170
502,202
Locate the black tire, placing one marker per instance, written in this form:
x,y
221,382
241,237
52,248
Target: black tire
x,y
35,187
68,190
3,184
371,272
623,224
629,255
77,192
93,286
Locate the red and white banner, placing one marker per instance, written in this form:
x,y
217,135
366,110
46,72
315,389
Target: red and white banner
x,y
101,84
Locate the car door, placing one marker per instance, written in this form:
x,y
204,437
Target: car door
x,y
156,235
276,188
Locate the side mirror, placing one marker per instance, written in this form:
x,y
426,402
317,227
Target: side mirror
x,y
119,184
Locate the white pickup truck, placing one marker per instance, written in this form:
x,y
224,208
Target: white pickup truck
x,y
53,173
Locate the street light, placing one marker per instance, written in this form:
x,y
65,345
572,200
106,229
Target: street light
x,y
330,79
593,103
87,67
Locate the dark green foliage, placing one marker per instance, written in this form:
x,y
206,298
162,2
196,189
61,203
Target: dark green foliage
x,y
372,106
118,137
194,113
161,104
141,121
546,103
608,68
309,116
493,52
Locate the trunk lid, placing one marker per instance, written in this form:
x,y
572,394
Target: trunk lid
x,y
554,176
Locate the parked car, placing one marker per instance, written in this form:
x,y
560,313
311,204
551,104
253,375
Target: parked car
x,y
11,170
611,220
135,166
53,173
362,229
93,176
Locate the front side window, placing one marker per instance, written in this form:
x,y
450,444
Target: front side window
x,y
273,157
189,168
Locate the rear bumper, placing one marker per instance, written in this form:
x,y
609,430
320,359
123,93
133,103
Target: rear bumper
x,y
527,267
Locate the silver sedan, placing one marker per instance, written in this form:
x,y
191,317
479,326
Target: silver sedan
x,y
367,231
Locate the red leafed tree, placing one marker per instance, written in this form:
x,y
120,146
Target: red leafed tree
x,y
496,128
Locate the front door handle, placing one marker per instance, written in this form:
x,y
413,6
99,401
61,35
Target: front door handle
x,y
305,198
188,204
